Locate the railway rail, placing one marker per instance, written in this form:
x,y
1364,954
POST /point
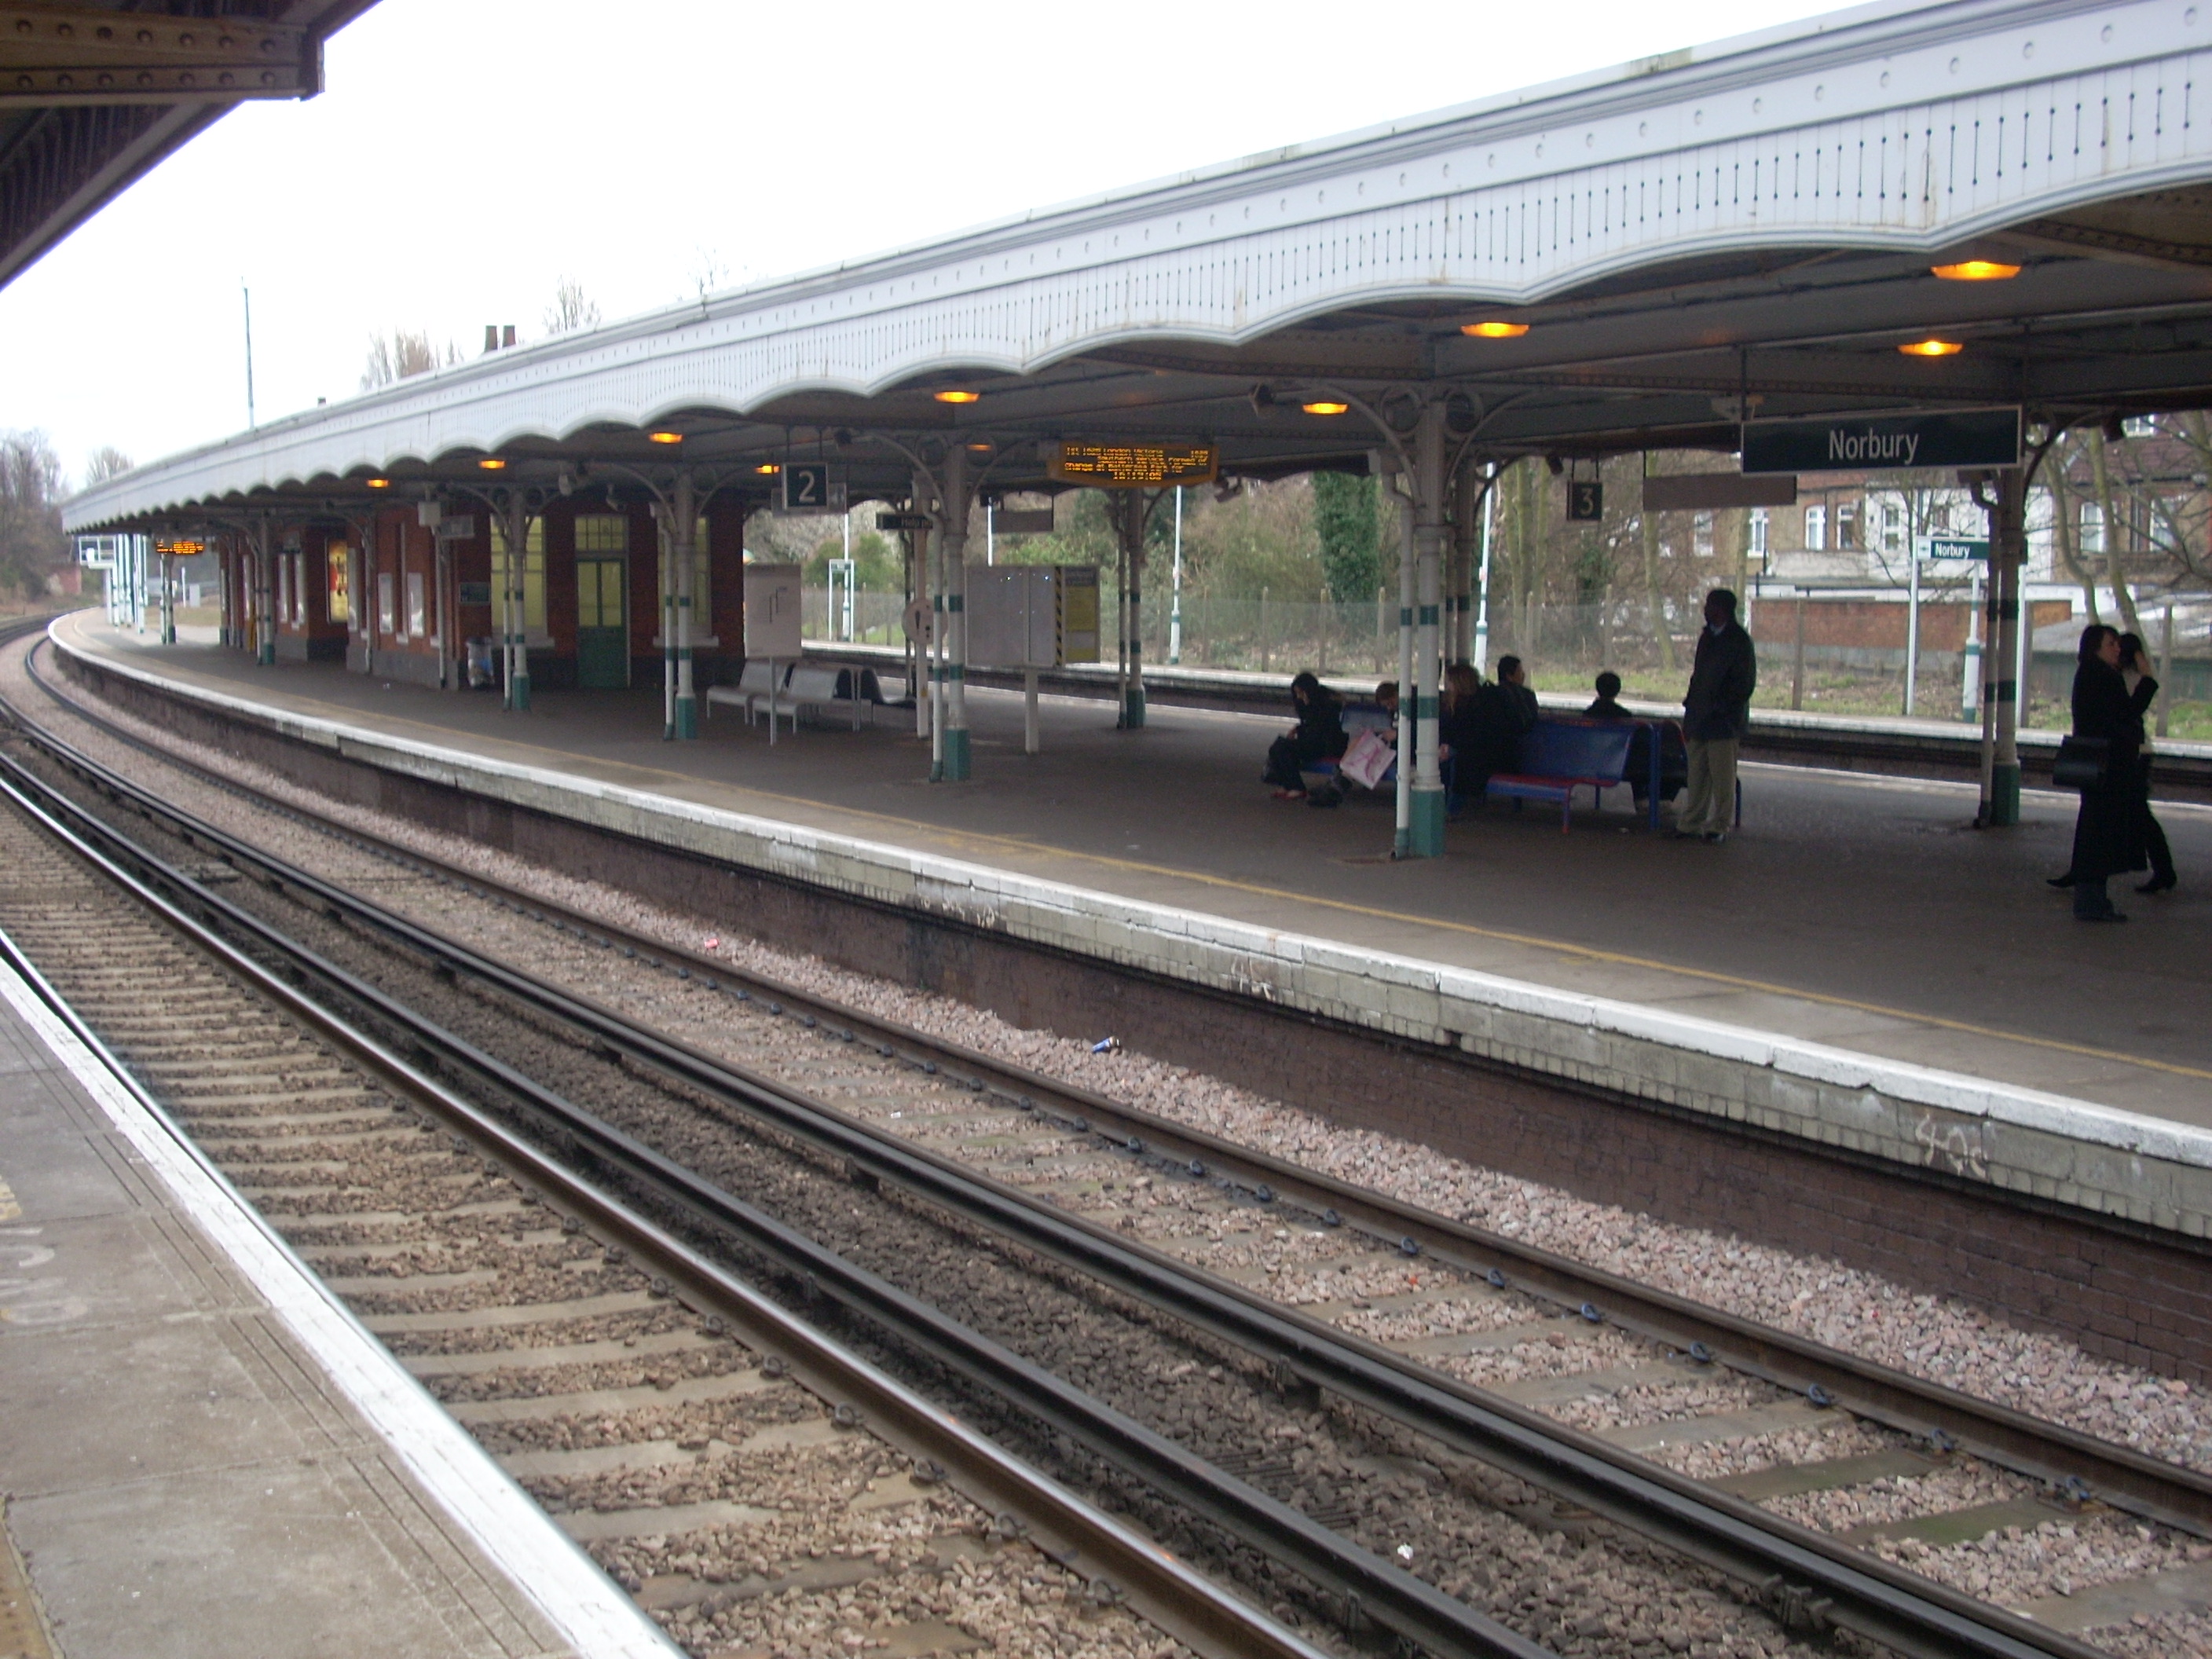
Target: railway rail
x,y
297,1105
1875,1599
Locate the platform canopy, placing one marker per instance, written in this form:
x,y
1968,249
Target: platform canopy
x,y
1629,259
94,93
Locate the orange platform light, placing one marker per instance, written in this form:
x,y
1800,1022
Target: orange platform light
x,y
1931,349
491,464
768,469
379,483
1324,406
1494,330
957,396
666,437
1975,271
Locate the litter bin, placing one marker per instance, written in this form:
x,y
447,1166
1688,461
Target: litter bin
x,y
480,674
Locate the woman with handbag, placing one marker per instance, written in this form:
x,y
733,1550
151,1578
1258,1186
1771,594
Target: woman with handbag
x,y
2102,758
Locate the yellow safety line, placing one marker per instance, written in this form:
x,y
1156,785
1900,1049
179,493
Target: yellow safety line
x,y
1585,952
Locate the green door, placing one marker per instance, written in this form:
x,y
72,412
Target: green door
x,y
602,629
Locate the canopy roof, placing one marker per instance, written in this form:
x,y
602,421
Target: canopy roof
x,y
1748,226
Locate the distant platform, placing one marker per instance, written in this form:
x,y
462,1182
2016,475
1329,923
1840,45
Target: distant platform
x,y
203,1456
1858,965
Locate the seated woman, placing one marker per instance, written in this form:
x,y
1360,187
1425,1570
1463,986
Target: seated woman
x,y
1319,735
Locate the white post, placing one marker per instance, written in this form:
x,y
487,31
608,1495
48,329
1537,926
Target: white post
x,y
1970,683
1175,598
1029,745
1425,823
1912,632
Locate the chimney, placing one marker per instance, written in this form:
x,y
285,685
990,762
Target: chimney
x,y
507,335
491,336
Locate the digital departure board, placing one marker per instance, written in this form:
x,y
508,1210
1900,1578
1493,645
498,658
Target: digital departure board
x,y
181,549
1132,466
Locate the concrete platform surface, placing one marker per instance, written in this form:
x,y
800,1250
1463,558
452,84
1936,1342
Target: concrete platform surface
x,y
1857,923
195,1464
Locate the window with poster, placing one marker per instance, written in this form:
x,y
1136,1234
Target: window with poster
x,y
385,622
418,622
337,566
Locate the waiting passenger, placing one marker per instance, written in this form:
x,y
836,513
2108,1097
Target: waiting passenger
x,y
1513,690
1319,735
1385,696
1607,706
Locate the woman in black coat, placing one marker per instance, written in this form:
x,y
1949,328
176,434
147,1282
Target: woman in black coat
x,y
2163,877
2108,834
1319,735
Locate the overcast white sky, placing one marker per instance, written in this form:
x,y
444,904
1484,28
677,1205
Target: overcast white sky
x,y
470,153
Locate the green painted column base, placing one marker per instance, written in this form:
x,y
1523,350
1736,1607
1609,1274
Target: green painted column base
x,y
1424,836
687,718
266,657
1133,709
954,768
2004,796
521,700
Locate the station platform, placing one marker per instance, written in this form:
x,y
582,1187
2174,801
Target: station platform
x,y
201,1457
1857,965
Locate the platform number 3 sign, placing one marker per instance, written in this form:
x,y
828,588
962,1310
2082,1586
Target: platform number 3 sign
x,y
1585,500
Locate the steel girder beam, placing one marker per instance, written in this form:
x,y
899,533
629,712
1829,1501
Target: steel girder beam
x,y
55,56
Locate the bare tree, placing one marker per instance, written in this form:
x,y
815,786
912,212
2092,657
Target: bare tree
x,y
570,311
32,545
104,463
401,354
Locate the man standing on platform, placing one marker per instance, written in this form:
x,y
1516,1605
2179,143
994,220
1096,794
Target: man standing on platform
x,y
1716,710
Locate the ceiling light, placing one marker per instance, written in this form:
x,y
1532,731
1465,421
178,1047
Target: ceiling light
x,y
1494,330
491,464
1975,271
980,449
958,397
666,437
768,469
1931,349
379,484
1324,407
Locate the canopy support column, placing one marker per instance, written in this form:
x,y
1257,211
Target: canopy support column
x,y
1129,509
1468,503
1425,828
954,505
264,594
1396,486
2001,670
684,721
515,529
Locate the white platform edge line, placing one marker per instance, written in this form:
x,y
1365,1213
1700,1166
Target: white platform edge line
x,y
503,1521
1957,1092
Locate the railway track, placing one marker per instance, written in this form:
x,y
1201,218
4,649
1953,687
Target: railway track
x,y
631,1383
1504,1296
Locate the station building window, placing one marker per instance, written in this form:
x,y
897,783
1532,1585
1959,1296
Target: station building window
x,y
418,624
1847,526
298,590
534,574
337,566
339,576
385,622
1701,535
2092,527
1816,529
1758,527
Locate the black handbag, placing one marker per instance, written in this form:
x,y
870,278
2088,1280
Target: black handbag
x,y
2082,763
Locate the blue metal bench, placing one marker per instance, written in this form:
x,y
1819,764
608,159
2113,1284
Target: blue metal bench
x,y
1562,756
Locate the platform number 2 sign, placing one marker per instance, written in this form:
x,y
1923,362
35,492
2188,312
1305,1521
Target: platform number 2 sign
x,y
806,487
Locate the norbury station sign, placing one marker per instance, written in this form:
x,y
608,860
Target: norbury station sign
x,y
1864,443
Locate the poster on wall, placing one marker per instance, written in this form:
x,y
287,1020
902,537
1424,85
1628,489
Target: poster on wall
x,y
772,611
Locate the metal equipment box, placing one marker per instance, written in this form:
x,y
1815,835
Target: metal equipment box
x,y
1032,616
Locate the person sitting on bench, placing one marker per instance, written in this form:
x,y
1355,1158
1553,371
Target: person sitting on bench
x,y
1319,735
1607,705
